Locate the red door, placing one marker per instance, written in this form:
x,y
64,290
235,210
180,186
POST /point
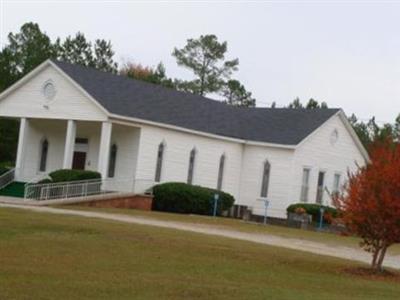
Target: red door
x,y
79,161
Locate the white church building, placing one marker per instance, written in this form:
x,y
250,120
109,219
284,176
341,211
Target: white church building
x,y
131,131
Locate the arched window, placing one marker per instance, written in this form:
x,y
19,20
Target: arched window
x,y
265,179
191,166
44,149
160,155
112,161
221,172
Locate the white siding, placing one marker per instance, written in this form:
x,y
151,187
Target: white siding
x,y
243,166
54,132
137,155
319,154
176,158
127,140
279,180
69,102
244,163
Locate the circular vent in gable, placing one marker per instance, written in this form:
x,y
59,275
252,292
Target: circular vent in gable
x,y
49,90
334,137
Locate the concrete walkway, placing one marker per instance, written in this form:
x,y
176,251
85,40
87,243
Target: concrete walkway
x,y
266,239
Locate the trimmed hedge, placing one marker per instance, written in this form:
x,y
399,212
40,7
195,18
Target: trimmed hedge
x,y
72,175
190,199
46,180
313,210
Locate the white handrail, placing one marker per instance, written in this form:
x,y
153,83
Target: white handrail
x,y
39,191
7,178
37,178
63,190
65,182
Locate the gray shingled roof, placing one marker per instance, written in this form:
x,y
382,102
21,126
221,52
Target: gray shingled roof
x,y
133,98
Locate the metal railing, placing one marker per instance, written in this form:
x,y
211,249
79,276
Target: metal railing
x,y
65,190
7,178
38,178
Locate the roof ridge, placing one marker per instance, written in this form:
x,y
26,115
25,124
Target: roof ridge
x,y
137,99
127,78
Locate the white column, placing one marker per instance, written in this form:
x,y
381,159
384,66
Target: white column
x,y
23,133
69,144
104,151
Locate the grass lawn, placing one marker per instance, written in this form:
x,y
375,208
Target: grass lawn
x,y
44,256
234,224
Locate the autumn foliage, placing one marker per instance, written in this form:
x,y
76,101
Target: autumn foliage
x,y
371,202
155,75
136,71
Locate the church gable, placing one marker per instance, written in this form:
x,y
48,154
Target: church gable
x,y
50,94
334,139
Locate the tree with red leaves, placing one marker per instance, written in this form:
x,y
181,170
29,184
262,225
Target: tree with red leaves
x,y
371,202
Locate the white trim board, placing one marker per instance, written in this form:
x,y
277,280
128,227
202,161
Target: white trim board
x,y
136,123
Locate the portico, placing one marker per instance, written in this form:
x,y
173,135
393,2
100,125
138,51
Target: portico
x,y
46,145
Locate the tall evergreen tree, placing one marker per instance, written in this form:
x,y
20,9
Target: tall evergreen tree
x,y
311,104
103,56
361,130
296,103
78,50
371,132
24,52
236,94
205,57
30,47
396,129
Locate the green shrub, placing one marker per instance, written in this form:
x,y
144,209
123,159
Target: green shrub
x,y
3,170
184,198
46,180
313,209
6,164
73,175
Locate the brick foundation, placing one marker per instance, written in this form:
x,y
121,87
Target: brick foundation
x,y
142,202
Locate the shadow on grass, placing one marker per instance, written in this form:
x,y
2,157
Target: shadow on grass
x,y
370,274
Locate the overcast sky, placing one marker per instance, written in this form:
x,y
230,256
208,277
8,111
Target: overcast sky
x,y
347,54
